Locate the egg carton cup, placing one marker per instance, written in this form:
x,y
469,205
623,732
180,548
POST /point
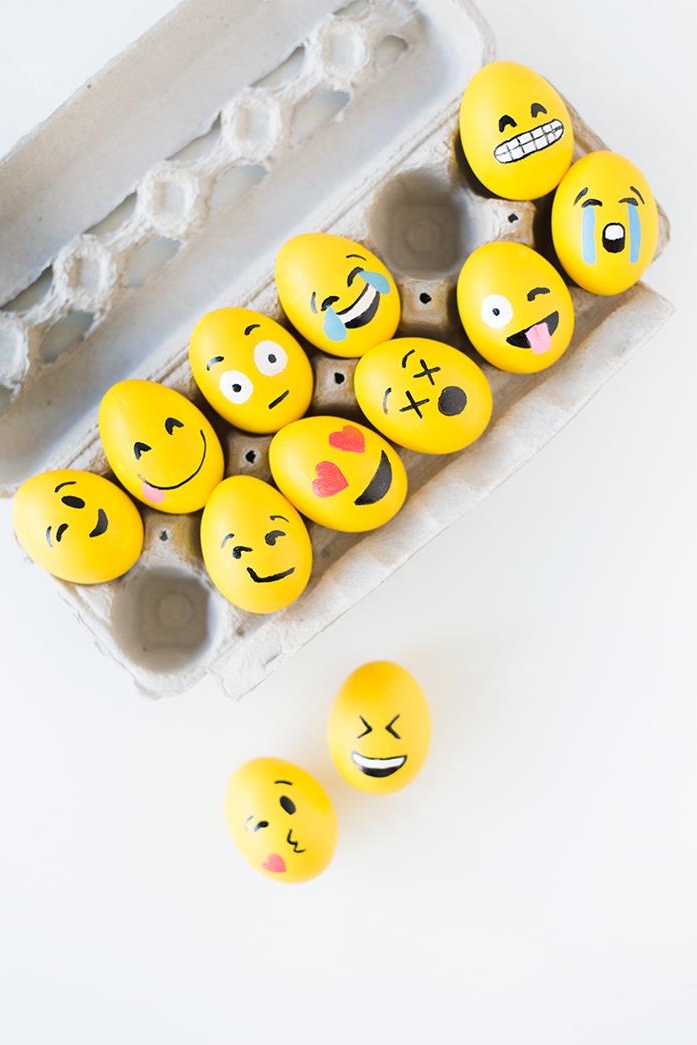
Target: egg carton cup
x,y
240,125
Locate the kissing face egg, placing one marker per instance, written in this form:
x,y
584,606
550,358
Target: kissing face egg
x,y
337,293
423,394
281,819
250,369
161,447
516,131
341,475
77,525
379,728
255,545
604,223
515,307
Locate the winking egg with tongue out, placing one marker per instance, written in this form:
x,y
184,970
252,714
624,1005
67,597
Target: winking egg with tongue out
x,y
515,307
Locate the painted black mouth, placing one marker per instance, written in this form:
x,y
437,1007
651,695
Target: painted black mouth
x,y
614,237
379,485
101,526
272,577
188,479
521,340
291,842
279,399
363,317
377,767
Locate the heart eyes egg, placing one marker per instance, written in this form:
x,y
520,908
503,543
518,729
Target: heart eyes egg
x,y
340,474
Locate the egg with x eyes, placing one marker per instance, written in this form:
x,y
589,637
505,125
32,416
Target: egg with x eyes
x,y
379,728
160,446
515,307
281,819
252,371
337,293
340,474
77,525
255,545
423,394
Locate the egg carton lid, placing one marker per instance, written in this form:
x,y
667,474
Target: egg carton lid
x,y
87,194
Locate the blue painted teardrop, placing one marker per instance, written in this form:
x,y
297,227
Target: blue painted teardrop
x,y
588,235
376,280
333,327
634,232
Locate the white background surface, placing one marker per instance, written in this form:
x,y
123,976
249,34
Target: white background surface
x,y
537,883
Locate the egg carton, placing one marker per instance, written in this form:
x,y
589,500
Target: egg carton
x,y
239,126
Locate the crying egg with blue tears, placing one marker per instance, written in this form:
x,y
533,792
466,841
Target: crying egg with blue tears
x,y
336,293
604,223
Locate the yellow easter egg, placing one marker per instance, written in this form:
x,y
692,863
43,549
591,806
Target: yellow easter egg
x,y
379,728
423,394
604,223
340,474
515,307
281,819
77,525
250,369
516,131
160,446
255,546
337,293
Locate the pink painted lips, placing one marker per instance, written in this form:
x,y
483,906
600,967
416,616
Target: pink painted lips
x,y
275,863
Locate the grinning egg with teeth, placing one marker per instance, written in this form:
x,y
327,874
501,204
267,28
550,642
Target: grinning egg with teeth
x,y
379,728
604,223
515,130
336,293
515,307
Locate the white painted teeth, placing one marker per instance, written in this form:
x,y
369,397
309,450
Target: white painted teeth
x,y
529,141
613,231
377,763
361,305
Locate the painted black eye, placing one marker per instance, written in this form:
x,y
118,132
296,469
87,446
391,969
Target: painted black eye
x,y
273,535
60,531
171,423
390,729
73,502
238,549
262,823
139,449
536,108
368,728
506,121
287,804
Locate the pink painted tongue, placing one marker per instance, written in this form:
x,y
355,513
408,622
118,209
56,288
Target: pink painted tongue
x,y
274,862
539,337
151,494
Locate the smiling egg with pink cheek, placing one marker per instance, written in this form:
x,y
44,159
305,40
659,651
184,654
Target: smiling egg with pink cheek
x,y
160,446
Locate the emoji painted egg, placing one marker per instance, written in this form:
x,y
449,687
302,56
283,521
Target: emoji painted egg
x,y
604,223
250,369
255,545
515,307
379,728
423,394
516,131
336,293
77,525
281,819
341,475
161,447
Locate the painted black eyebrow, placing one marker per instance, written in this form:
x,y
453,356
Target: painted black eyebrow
x,y
404,361
581,194
635,190
214,359
532,294
356,256
272,517
226,538
68,482
251,327
288,782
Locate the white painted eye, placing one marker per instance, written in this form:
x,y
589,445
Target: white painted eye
x,y
497,311
236,386
270,358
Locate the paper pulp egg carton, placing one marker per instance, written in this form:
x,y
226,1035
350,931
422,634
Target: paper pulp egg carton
x,y
165,187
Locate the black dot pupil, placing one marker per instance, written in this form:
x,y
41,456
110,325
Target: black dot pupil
x,y
496,311
272,358
237,387
287,804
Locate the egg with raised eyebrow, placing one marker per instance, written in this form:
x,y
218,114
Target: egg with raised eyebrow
x,y
160,446
78,525
252,371
255,545
336,293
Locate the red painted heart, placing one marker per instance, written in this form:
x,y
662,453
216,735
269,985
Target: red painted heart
x,y
330,479
349,438
274,862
